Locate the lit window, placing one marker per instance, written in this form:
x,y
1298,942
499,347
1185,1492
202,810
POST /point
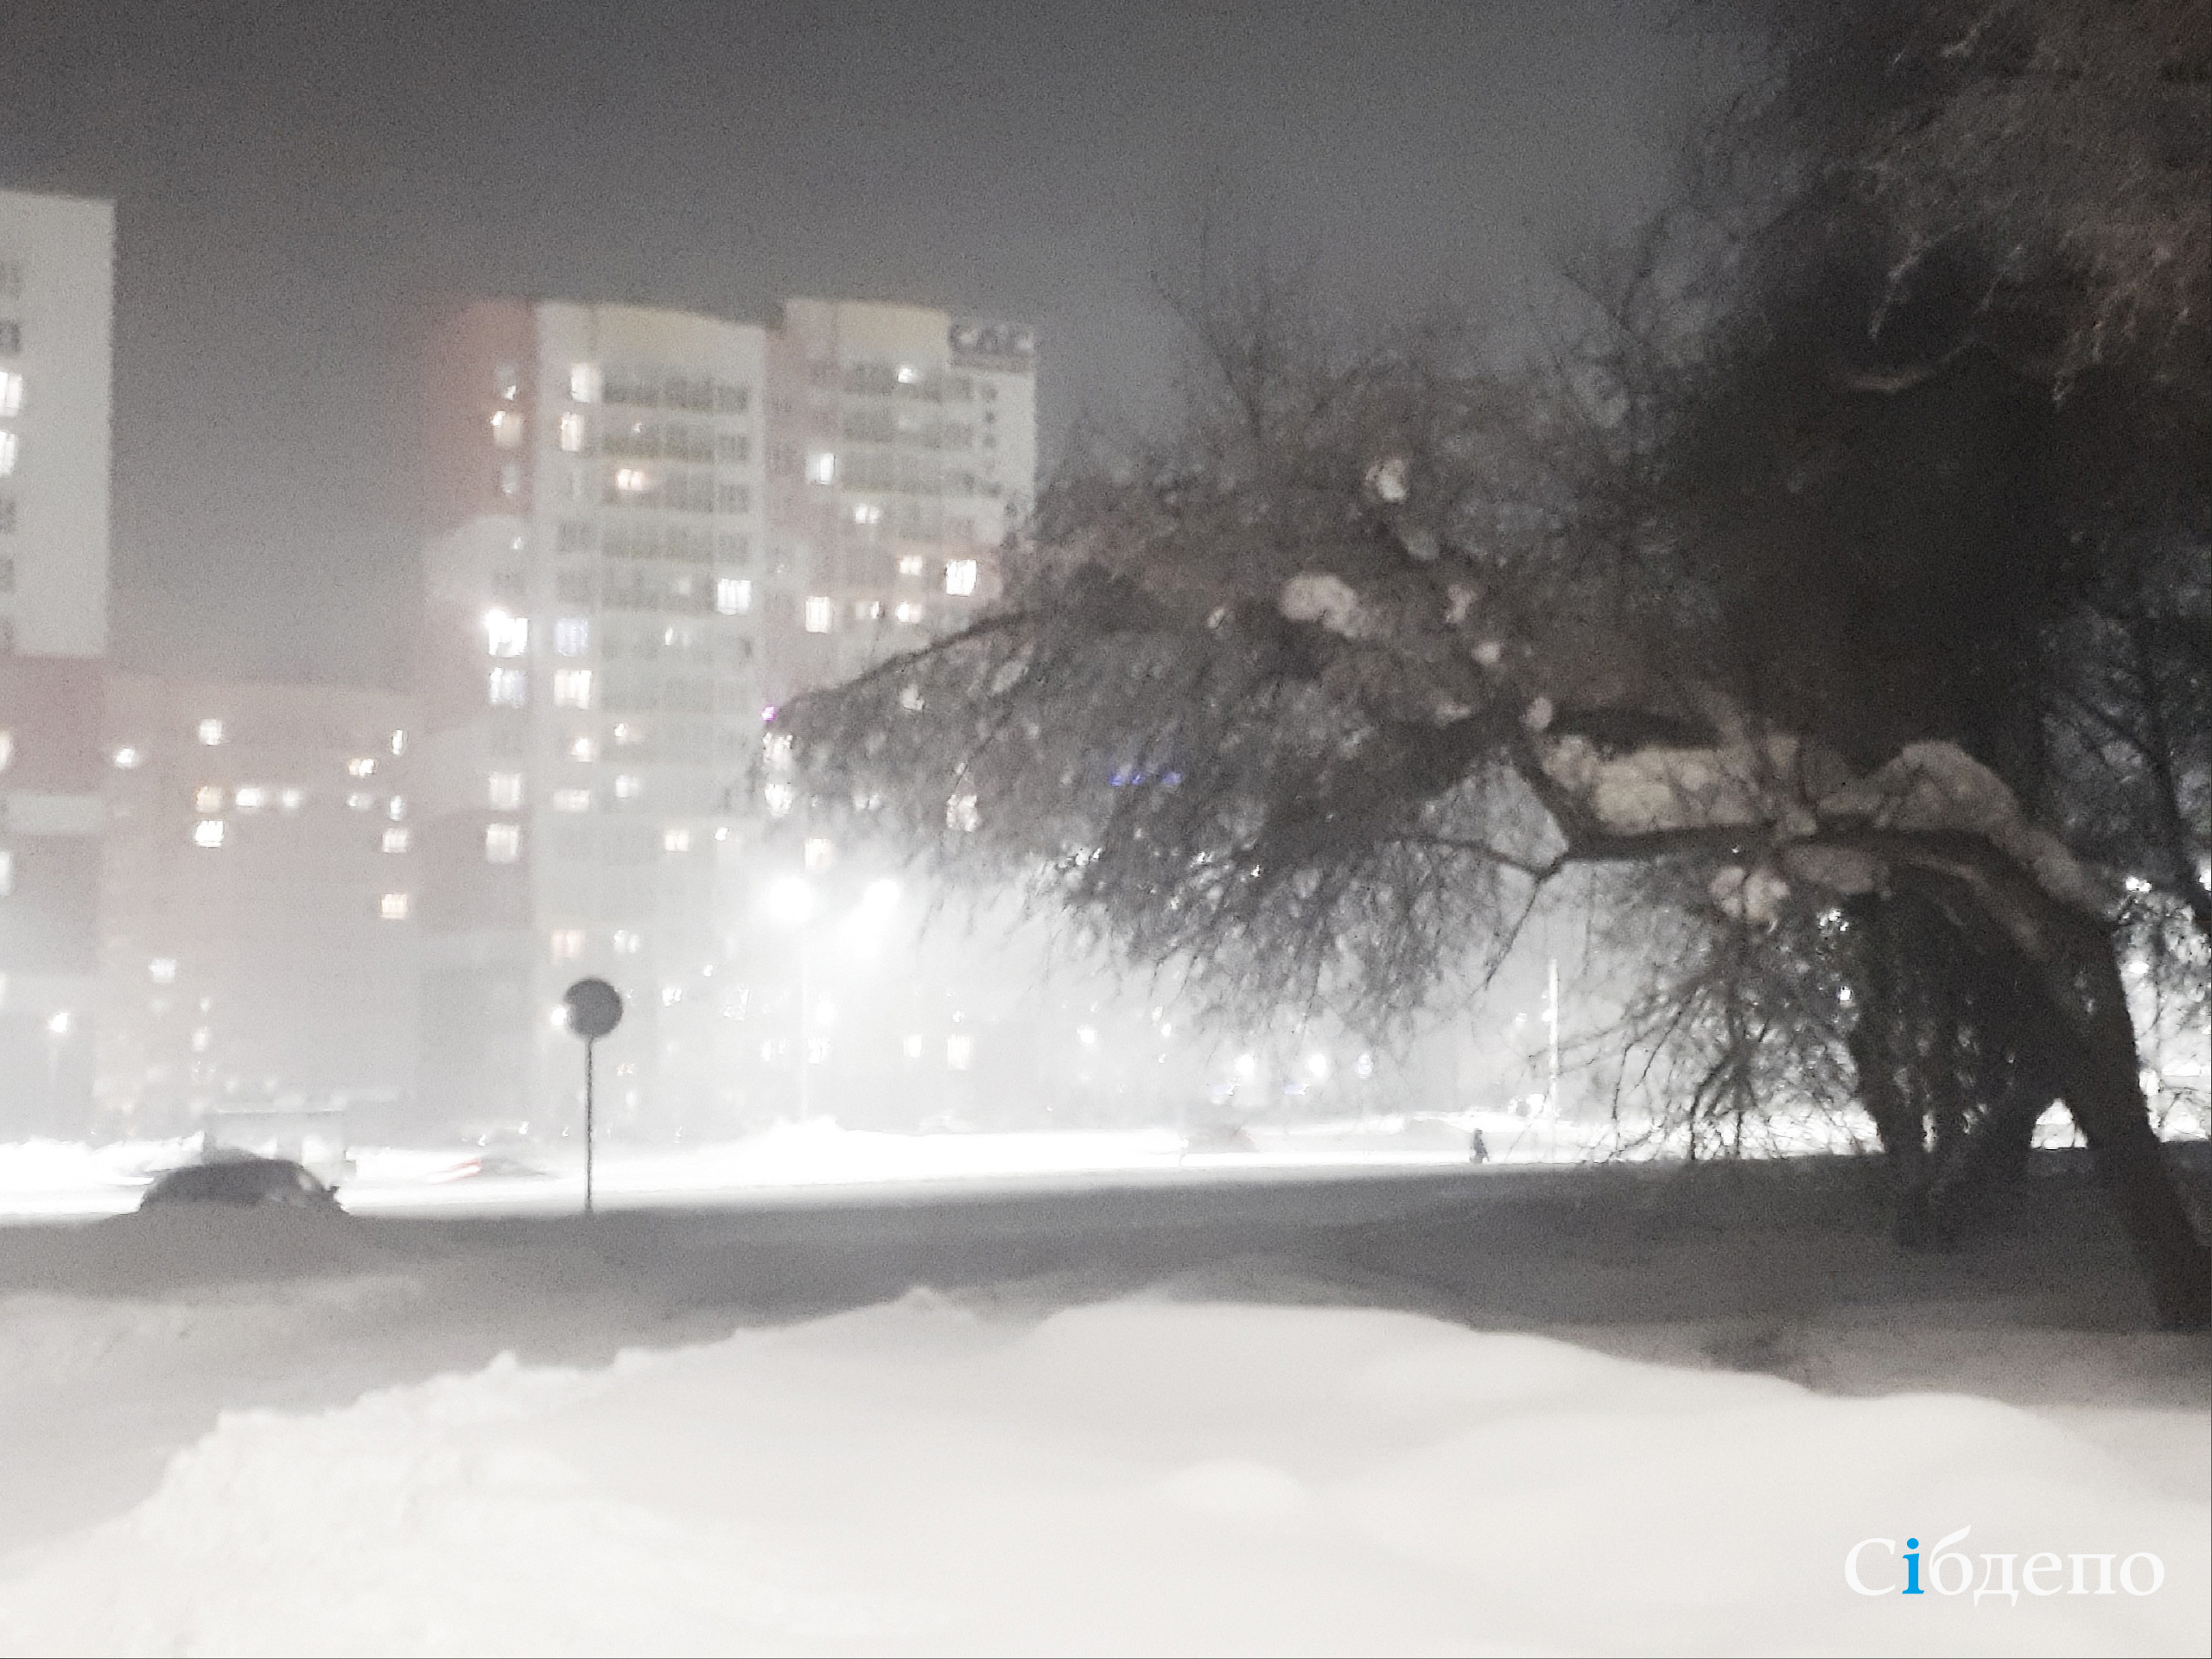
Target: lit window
x,y
502,842
909,612
910,564
506,635
395,840
505,790
511,479
7,748
819,614
583,749
290,800
208,797
627,943
568,944
7,872
398,809
508,688
959,1051
670,996
392,906
201,1037
625,733
11,393
821,852
583,382
208,832
506,380
251,798
628,786
733,595
821,468
781,798
960,813
632,481
360,766
909,375
211,732
399,742
572,800
867,610
360,801
675,841
161,970
572,432
129,759
571,635
7,453
506,428
913,1044
776,751
960,576
572,687
867,512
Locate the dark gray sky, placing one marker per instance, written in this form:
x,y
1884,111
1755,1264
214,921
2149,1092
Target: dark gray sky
x,y
294,181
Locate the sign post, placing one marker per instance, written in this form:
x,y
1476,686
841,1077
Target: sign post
x,y
594,1008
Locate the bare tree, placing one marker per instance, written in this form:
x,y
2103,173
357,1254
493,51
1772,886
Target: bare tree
x,y
1322,689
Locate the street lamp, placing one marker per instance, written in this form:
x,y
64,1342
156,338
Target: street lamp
x,y
594,1008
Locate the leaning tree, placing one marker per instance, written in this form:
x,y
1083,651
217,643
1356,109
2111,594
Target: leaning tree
x,y
1316,691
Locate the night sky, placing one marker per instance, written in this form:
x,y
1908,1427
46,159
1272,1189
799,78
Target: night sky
x,y
295,182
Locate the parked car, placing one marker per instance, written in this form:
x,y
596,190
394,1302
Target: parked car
x,y
241,1181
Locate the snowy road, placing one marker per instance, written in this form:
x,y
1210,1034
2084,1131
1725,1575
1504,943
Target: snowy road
x,y
1236,1416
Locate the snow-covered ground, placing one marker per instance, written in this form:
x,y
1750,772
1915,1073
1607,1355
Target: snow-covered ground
x,y
266,1432
48,1179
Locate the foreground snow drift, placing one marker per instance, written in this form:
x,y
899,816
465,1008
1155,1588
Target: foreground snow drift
x,y
1135,1475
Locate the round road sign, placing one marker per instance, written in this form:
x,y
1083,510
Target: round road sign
x,y
594,1007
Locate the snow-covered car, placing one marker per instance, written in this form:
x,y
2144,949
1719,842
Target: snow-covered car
x,y
245,1182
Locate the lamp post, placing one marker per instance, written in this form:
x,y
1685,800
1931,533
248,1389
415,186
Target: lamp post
x,y
594,1008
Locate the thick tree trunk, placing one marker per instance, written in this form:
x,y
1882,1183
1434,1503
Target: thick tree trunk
x,y
2099,1077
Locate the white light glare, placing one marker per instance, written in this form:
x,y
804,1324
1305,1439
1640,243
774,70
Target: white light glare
x,y
790,901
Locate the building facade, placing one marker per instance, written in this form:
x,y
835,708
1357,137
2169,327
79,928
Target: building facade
x,y
647,528
57,256
258,896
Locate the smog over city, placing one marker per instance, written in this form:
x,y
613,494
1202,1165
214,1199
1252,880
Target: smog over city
x,y
1217,828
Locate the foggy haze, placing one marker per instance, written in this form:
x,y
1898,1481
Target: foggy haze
x,y
294,184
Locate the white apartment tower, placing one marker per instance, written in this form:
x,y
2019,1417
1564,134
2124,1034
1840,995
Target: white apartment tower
x,y
57,260
647,529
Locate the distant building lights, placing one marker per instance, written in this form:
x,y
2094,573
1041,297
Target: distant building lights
x,y
506,635
820,614
208,832
393,907
960,576
128,759
211,732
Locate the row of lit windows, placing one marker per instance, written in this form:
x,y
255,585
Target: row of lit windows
x,y
504,790
216,832
213,734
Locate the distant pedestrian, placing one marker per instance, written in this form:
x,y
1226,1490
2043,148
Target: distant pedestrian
x,y
1478,1148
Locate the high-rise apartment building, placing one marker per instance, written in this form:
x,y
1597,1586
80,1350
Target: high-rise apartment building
x,y
57,259
647,528
258,904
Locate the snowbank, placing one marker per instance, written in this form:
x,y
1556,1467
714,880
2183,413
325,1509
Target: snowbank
x,y
1139,1475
